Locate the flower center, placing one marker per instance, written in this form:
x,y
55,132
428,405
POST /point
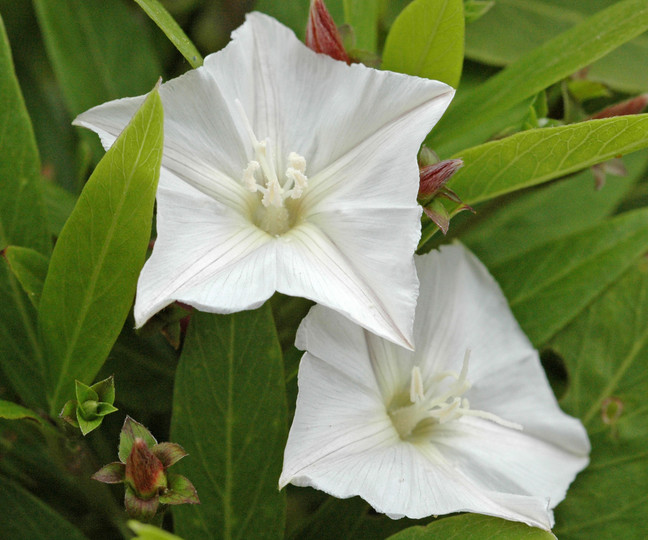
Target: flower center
x,y
273,215
418,409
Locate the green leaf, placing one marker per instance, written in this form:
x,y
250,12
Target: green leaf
x,y
547,213
59,203
150,532
94,268
362,16
522,25
294,14
473,527
13,411
25,516
476,9
548,286
160,16
539,155
535,71
427,40
229,413
605,353
30,268
22,212
92,59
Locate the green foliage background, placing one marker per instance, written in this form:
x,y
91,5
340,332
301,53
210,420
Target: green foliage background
x,y
570,258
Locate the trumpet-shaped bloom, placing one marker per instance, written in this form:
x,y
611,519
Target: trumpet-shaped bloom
x,y
467,422
285,170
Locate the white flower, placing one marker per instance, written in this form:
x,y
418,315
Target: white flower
x,y
468,422
285,170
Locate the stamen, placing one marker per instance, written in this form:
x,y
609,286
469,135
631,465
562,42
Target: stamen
x,y
249,180
417,393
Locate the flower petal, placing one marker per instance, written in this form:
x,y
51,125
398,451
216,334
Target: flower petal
x,y
325,269
342,442
206,255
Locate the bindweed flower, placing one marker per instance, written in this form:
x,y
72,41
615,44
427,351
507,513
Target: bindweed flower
x,y
92,403
285,170
142,466
467,422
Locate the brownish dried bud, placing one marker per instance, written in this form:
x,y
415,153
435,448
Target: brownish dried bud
x,y
322,35
144,471
630,106
434,177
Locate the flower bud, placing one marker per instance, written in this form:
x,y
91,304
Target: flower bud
x,y
630,106
322,35
434,177
144,471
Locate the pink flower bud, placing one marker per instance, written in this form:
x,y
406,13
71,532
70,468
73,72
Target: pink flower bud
x,y
321,33
434,177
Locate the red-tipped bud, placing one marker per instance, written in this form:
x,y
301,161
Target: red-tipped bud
x,y
630,106
144,471
434,177
321,33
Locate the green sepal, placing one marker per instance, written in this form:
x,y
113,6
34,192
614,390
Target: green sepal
x,y
85,393
86,426
168,453
181,491
113,473
105,390
129,432
143,510
69,413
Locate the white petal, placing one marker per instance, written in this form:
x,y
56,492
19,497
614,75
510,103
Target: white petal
x,y
206,255
462,307
312,265
507,460
342,442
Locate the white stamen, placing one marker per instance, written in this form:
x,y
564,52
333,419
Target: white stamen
x,y
417,393
297,162
249,180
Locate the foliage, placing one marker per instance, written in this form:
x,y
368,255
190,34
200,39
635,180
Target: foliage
x,y
568,254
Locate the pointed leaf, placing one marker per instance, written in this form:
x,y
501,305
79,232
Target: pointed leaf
x,y
160,16
84,392
521,26
427,40
229,413
93,272
113,473
144,509
22,222
168,453
86,426
605,353
104,408
535,71
132,430
13,411
181,491
473,527
25,516
29,267
550,285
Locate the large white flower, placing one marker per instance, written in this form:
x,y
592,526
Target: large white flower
x,y
285,170
468,422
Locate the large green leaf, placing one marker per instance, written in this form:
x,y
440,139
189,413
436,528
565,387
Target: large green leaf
x,y
427,40
539,155
13,411
93,60
535,71
551,284
25,517
29,267
535,156
606,354
473,527
93,271
172,30
508,228
294,14
23,222
229,413
522,25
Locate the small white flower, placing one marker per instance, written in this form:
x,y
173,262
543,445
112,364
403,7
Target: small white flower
x,y
285,170
467,422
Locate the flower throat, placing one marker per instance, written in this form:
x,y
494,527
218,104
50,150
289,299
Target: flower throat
x,y
273,215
